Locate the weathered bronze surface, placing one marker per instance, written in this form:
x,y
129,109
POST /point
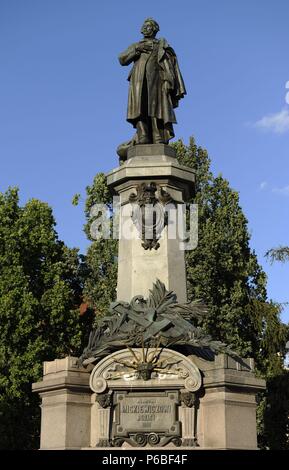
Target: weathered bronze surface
x,y
149,213
156,86
158,321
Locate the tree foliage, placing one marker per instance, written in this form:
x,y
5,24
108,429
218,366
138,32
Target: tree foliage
x,y
101,258
276,410
225,273
278,254
40,292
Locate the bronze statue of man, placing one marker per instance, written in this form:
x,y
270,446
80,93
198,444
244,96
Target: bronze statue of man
x,y
156,86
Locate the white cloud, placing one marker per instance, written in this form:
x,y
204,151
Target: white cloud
x,y
287,94
278,122
263,185
284,191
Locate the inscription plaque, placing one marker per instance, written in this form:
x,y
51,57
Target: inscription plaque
x,y
146,417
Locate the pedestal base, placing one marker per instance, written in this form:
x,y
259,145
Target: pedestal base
x,y
223,418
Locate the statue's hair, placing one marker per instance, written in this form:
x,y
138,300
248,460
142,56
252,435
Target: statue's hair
x,y
153,22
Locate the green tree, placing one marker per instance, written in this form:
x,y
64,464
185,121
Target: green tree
x,y
223,271
276,400
40,292
278,254
101,257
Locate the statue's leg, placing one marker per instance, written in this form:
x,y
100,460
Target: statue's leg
x,y
157,131
142,132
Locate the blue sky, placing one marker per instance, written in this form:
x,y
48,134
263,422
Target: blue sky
x,y
63,101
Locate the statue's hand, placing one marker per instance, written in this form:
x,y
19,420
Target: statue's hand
x,y
144,47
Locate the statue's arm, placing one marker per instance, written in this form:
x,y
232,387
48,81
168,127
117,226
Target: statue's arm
x,y
129,55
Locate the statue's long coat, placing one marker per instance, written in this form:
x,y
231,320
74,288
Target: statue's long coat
x,y
149,96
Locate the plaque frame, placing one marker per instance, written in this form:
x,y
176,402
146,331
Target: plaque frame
x,y
155,436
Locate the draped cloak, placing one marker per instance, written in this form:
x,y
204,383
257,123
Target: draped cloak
x,y
156,83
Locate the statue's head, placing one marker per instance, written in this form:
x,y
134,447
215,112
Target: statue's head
x,y
150,28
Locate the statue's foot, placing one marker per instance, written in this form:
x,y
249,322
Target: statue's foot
x,y
143,140
122,149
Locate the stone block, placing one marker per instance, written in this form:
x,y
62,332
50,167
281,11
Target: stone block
x,y
66,405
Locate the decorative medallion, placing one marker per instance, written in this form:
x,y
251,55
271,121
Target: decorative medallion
x,y
149,213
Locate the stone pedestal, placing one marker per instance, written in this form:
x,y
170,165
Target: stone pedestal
x,y
138,268
215,412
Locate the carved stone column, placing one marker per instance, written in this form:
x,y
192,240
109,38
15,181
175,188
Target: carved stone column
x,y
150,175
188,418
100,420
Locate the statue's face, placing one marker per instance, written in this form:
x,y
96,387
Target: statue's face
x,y
148,30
